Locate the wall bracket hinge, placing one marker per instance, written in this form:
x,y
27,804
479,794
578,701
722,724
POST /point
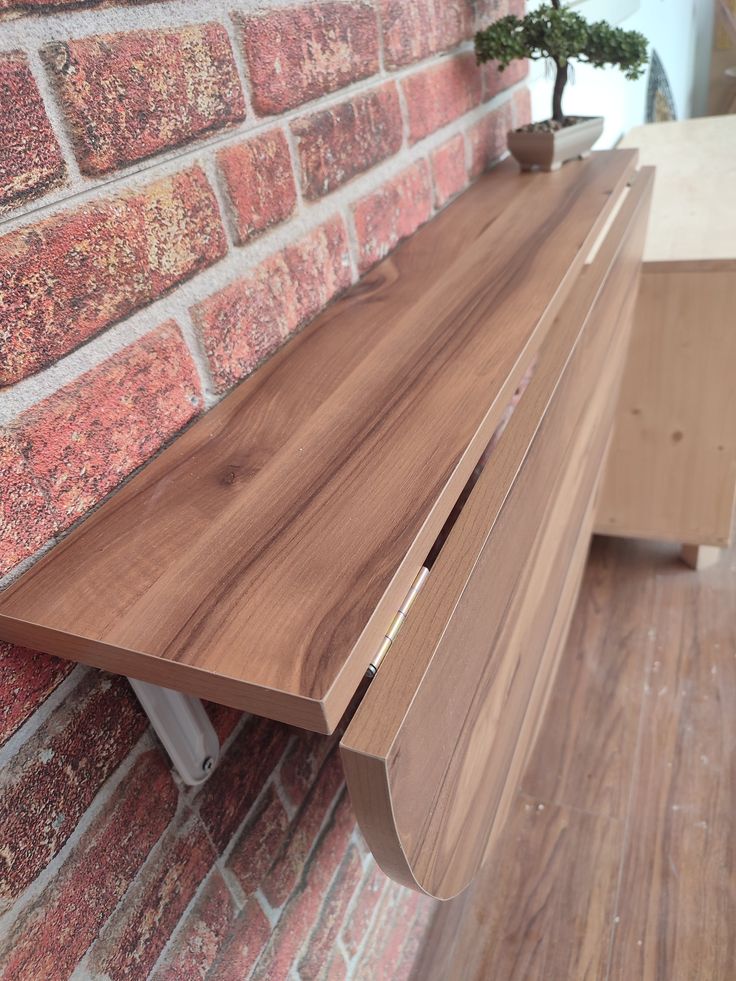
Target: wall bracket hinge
x,y
183,727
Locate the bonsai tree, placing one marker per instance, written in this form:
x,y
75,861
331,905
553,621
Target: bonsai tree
x,y
553,32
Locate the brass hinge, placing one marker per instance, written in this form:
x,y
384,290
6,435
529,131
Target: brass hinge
x,y
398,621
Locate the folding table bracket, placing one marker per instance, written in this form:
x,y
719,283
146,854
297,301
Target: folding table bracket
x,y
183,727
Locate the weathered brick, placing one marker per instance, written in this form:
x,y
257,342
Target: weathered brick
x,y
438,95
289,864
486,11
236,784
416,30
332,916
30,157
259,182
129,96
249,319
391,929
248,938
393,212
27,678
487,139
83,440
201,935
137,932
298,53
26,522
223,719
495,80
303,910
336,144
68,277
449,169
403,969
17,7
259,843
52,936
52,781
521,108
303,761
358,923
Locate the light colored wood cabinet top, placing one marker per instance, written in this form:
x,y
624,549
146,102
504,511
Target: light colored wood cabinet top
x,y
693,217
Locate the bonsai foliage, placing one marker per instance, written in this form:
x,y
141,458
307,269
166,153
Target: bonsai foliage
x,y
553,32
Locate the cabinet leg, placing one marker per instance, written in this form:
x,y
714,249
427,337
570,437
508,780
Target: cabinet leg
x,y
700,556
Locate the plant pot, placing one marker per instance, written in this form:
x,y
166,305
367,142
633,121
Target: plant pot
x,y
549,150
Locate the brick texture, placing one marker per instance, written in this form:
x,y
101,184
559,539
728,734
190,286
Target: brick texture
x,y
412,31
82,441
27,678
30,157
383,218
249,319
438,95
64,279
54,934
449,169
301,52
128,96
336,144
259,182
182,189
52,781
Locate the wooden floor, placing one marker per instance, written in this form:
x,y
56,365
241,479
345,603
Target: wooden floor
x,y
619,861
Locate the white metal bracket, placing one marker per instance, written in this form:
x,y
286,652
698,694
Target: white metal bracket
x,y
182,725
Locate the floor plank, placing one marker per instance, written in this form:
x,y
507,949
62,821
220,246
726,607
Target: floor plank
x,y
677,904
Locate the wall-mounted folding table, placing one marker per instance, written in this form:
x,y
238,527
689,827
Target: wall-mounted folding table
x,y
260,561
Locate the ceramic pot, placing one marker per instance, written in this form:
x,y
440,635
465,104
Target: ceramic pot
x,y
549,151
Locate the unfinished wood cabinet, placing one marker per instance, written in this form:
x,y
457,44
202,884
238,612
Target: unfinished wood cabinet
x,y
672,468
260,561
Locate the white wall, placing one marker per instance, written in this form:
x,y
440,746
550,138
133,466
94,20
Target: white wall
x,y
680,30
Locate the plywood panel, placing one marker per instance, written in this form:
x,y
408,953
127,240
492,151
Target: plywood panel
x,y
672,468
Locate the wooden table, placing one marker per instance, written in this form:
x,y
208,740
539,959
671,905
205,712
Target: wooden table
x,y
260,561
672,467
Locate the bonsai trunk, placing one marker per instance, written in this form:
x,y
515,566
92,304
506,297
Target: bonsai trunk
x,y
560,83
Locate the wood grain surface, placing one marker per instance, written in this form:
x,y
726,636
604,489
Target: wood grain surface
x,y
433,753
617,860
672,468
258,561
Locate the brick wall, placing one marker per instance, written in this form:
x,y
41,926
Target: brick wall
x,y
182,187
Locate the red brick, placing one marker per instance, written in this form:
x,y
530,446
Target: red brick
x,y
303,761
236,784
64,279
488,139
487,11
249,319
336,144
438,95
337,969
259,843
358,923
201,935
521,108
449,169
83,440
30,156
137,932
390,932
53,935
412,31
495,80
27,678
52,781
296,54
289,865
331,917
393,212
303,910
26,522
248,939
403,969
259,182
17,7
223,719
129,96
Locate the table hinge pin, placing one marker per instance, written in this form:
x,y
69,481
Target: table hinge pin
x,y
398,621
